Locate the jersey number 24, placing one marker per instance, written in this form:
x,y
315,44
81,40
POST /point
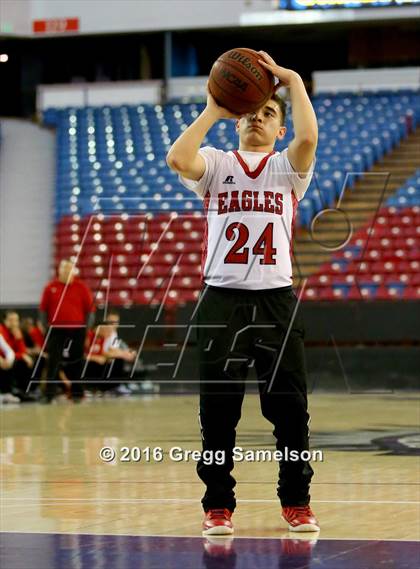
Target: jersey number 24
x,y
263,246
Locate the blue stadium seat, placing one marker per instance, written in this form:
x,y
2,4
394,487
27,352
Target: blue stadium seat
x,y
114,157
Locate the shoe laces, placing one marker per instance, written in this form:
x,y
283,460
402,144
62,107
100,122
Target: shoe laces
x,y
304,510
219,513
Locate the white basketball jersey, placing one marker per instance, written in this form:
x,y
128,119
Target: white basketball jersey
x,y
250,215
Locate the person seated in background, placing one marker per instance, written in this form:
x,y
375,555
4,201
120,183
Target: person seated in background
x,y
109,358
123,359
106,357
115,347
33,336
96,360
7,358
24,363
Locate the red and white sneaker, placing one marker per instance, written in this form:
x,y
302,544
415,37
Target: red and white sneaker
x,y
300,518
218,522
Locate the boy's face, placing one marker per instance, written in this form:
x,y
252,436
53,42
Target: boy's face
x,y
263,127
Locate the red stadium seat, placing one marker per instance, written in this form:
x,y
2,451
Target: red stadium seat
x,y
411,292
310,293
388,292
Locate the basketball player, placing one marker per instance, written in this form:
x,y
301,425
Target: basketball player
x,y
246,315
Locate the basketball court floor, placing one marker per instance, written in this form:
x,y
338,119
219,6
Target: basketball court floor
x,y
62,506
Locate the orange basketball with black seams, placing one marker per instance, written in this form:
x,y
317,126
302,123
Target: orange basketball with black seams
x,y
239,83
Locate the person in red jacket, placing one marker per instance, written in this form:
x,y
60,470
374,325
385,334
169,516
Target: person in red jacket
x,y
24,363
7,359
66,308
34,337
96,358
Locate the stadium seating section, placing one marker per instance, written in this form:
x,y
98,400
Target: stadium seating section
x,y
381,261
138,231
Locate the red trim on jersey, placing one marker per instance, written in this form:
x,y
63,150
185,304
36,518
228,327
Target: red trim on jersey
x,y
204,245
94,344
255,173
294,206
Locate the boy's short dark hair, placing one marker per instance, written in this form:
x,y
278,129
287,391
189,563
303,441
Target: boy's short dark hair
x,y
282,106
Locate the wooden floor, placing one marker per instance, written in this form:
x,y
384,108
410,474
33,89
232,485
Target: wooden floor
x,y
53,479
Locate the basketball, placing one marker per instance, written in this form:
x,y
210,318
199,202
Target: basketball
x,y
239,83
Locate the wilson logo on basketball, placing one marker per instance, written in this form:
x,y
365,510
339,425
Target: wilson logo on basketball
x,y
246,62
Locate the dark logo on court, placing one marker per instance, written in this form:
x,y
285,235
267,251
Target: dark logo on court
x,y
393,443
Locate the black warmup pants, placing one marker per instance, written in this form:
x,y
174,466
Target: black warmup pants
x,y
6,380
65,349
103,377
22,375
238,329
19,377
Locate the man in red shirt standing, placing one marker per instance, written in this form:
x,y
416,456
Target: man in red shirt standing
x,y
67,308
